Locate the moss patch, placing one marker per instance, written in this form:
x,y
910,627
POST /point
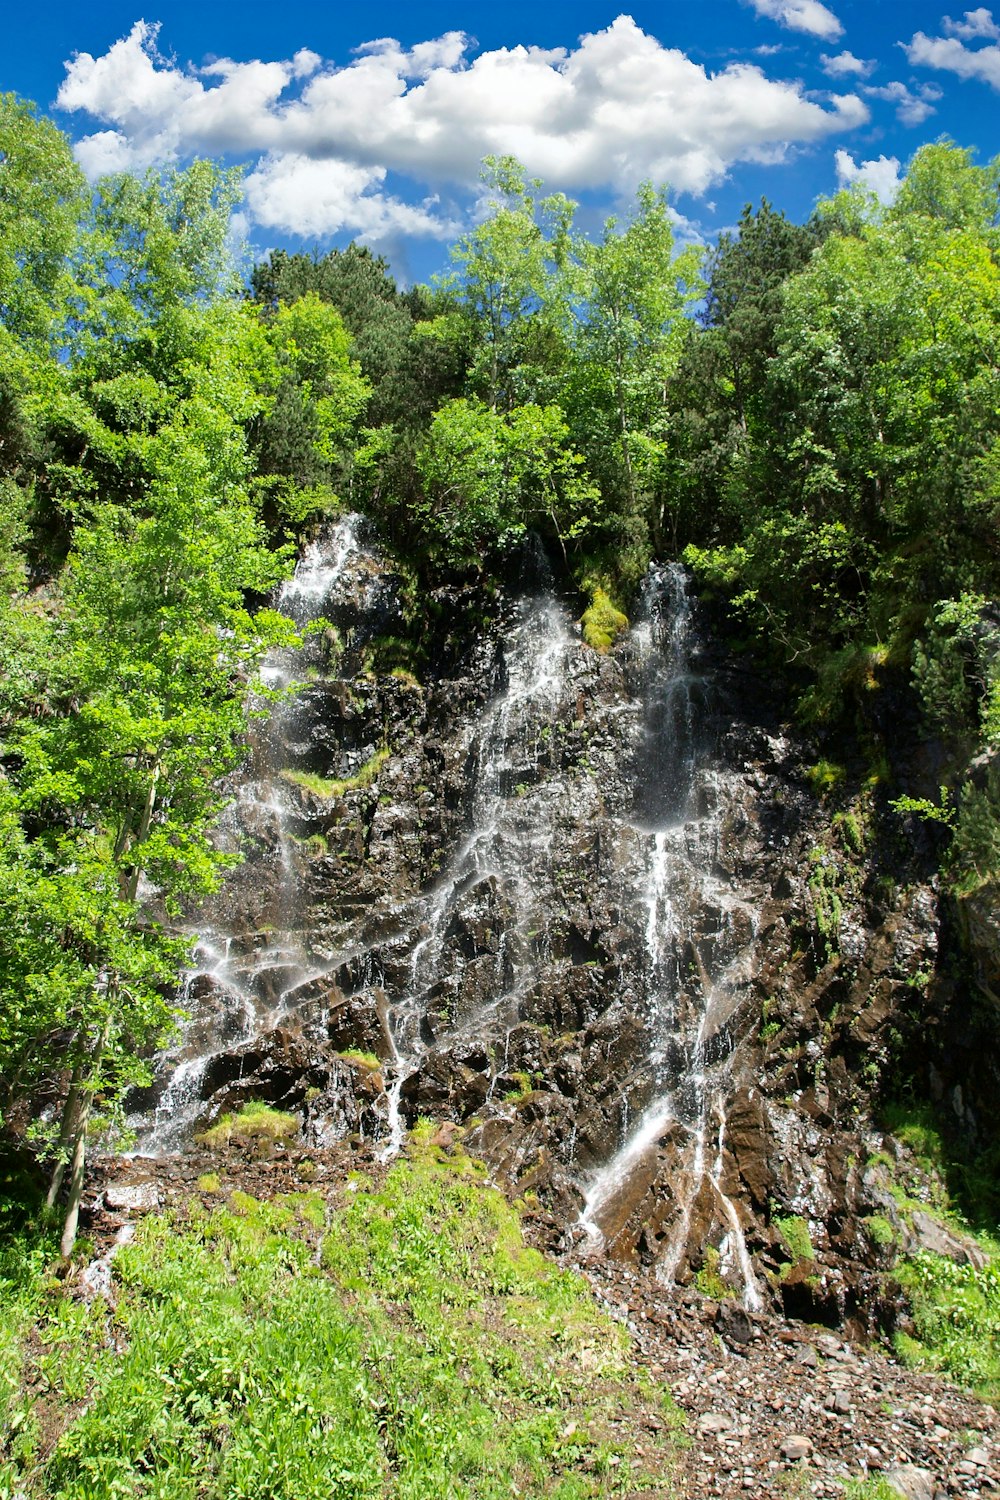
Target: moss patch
x,y
602,622
331,786
253,1122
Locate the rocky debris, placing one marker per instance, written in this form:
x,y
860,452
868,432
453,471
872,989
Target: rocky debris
x,y
126,1197
911,1482
792,1400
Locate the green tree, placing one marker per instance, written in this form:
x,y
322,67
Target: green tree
x,y
630,328
305,437
491,476
124,697
42,205
511,286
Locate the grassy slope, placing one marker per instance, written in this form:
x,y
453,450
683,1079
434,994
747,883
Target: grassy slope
x,y
406,1343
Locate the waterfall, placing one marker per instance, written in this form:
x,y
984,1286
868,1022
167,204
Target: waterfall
x,y
239,988
507,839
526,919
696,936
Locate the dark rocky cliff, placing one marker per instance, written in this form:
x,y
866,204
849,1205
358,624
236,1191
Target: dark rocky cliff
x,y
590,910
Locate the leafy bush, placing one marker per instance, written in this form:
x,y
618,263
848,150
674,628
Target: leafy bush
x,y
956,1311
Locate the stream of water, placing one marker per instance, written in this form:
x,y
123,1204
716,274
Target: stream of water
x,y
691,966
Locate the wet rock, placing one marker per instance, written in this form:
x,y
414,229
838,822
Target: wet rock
x,y
132,1197
360,1024
734,1323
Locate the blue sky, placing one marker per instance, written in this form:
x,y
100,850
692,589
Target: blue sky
x,y
371,122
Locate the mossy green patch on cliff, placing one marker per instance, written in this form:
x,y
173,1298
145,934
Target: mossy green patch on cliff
x,y
603,622
254,1121
794,1232
408,1343
332,786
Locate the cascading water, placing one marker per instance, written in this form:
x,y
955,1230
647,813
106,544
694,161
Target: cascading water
x,y
509,836
239,987
696,937
522,925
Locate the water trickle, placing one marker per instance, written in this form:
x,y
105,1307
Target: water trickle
x,y
695,934
487,886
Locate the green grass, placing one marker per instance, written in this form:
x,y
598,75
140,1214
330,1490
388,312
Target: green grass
x,y
331,786
956,1313
955,1308
363,1059
872,1488
406,1345
253,1122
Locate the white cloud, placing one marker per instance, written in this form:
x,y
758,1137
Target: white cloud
x,y
300,195
952,56
911,108
977,23
845,64
801,15
305,62
879,177
617,108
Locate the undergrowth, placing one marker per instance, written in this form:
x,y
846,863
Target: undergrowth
x,y
955,1307
956,1314
407,1344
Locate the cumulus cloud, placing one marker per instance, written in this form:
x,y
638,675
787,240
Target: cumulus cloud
x,y
617,108
302,195
801,15
880,177
911,108
951,55
977,24
845,64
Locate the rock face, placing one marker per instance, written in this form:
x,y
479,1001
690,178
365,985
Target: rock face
x,y
585,907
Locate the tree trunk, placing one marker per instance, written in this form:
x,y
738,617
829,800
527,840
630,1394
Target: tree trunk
x,y
66,1127
75,1182
85,1095
130,886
